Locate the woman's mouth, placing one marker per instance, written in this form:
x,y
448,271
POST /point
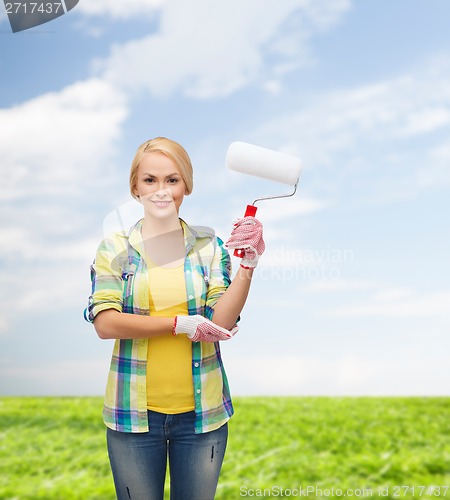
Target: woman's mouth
x,y
162,204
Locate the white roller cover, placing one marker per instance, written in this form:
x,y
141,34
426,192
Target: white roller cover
x,y
262,162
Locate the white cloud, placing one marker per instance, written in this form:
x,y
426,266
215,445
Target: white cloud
x,y
380,140
46,286
55,149
393,294
291,375
80,377
426,120
119,9
53,143
401,107
349,375
212,49
3,325
282,209
437,166
27,244
341,285
399,305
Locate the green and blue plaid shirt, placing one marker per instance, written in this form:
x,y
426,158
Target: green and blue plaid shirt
x,y
120,281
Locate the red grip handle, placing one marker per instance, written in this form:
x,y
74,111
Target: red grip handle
x,y
250,211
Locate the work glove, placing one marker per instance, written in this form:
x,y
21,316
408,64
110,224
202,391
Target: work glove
x,y
200,329
247,235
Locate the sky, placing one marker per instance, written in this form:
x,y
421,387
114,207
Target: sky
x,y
351,296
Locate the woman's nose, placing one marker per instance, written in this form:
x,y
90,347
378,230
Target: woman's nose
x,y
163,192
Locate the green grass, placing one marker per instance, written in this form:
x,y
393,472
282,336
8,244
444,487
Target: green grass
x,y
54,448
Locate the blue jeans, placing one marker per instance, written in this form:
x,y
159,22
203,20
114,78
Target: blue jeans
x,y
139,460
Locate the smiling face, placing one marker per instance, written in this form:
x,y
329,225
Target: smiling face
x,y
159,185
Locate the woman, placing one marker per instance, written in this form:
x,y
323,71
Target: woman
x,y
163,292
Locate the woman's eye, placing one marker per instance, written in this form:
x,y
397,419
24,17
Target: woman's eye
x,y
173,181
149,181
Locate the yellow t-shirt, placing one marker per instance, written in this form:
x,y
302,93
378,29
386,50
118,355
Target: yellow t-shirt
x,y
169,358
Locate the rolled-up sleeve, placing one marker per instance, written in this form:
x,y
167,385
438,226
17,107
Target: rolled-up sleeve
x,y
106,279
219,278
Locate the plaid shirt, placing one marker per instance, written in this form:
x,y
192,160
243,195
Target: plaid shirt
x,y
120,281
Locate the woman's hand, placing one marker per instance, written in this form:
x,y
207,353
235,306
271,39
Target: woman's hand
x,y
247,235
200,329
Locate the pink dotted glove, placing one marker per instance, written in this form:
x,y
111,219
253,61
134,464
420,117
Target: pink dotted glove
x,y
247,235
200,329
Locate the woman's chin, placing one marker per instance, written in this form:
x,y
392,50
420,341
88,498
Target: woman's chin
x,y
161,212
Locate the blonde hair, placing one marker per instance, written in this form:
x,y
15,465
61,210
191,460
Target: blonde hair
x,y
172,150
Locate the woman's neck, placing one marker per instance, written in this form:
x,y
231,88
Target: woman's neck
x,y
163,240
152,226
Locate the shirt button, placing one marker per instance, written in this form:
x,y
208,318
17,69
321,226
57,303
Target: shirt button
x,y
188,272
191,297
196,365
198,391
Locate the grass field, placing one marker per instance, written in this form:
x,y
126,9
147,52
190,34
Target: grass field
x,y
315,447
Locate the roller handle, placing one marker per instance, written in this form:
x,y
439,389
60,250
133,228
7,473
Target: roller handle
x,y
250,211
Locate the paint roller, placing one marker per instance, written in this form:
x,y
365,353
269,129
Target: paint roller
x,y
266,163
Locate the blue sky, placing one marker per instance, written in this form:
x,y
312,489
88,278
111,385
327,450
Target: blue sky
x,y
351,296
